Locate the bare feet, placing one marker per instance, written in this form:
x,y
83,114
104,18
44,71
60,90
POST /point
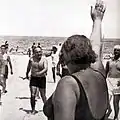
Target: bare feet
x,y
33,112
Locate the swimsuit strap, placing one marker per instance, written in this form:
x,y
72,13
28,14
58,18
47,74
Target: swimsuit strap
x,y
83,96
98,72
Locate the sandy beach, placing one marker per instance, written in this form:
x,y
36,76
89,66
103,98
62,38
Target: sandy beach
x,y
16,102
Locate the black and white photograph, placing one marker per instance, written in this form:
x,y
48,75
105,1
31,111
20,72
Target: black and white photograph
x,y
59,60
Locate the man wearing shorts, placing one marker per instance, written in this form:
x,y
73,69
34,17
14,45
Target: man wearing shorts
x,y
7,60
38,66
113,80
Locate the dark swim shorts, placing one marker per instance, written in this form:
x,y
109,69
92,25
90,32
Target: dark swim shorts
x,y
38,82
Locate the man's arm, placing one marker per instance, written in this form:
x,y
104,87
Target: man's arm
x,y
41,73
28,69
96,36
107,68
10,63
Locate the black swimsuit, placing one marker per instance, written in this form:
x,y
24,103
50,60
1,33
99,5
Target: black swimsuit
x,y
82,111
82,108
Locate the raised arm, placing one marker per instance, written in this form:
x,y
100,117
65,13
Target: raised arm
x,y
97,14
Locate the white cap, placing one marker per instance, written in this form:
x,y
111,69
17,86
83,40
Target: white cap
x,y
117,47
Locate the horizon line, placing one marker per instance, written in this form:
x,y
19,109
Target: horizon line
x,y
48,36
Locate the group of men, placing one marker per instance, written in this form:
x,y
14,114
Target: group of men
x,y
39,66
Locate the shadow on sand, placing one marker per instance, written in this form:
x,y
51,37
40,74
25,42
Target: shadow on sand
x,y
27,111
22,97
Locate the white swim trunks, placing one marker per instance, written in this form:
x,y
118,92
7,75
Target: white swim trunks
x,y
113,88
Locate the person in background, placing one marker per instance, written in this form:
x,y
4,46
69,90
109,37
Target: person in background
x,y
82,95
61,64
39,45
7,61
33,47
54,57
29,52
38,66
6,46
17,48
113,80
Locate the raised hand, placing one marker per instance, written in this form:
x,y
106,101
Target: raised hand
x,y
98,11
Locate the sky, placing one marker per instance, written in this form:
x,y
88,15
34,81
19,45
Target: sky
x,y
55,18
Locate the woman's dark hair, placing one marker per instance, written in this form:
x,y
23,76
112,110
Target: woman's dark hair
x,y
79,49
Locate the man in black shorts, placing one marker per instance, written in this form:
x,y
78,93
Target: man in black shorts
x,y
38,66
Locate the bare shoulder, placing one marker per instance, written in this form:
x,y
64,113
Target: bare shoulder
x,y
67,88
68,82
98,66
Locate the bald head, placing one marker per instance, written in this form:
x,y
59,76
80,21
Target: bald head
x,y
38,52
116,51
117,47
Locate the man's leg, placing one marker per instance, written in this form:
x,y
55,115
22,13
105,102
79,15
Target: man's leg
x,y
5,91
53,71
37,94
3,83
116,99
43,94
109,106
33,91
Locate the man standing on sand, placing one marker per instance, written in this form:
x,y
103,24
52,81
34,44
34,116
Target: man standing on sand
x,y
54,57
33,47
2,73
113,80
7,60
38,66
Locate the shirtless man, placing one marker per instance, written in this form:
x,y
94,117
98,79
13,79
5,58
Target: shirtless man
x,y
38,66
54,57
64,67
2,72
113,80
7,60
